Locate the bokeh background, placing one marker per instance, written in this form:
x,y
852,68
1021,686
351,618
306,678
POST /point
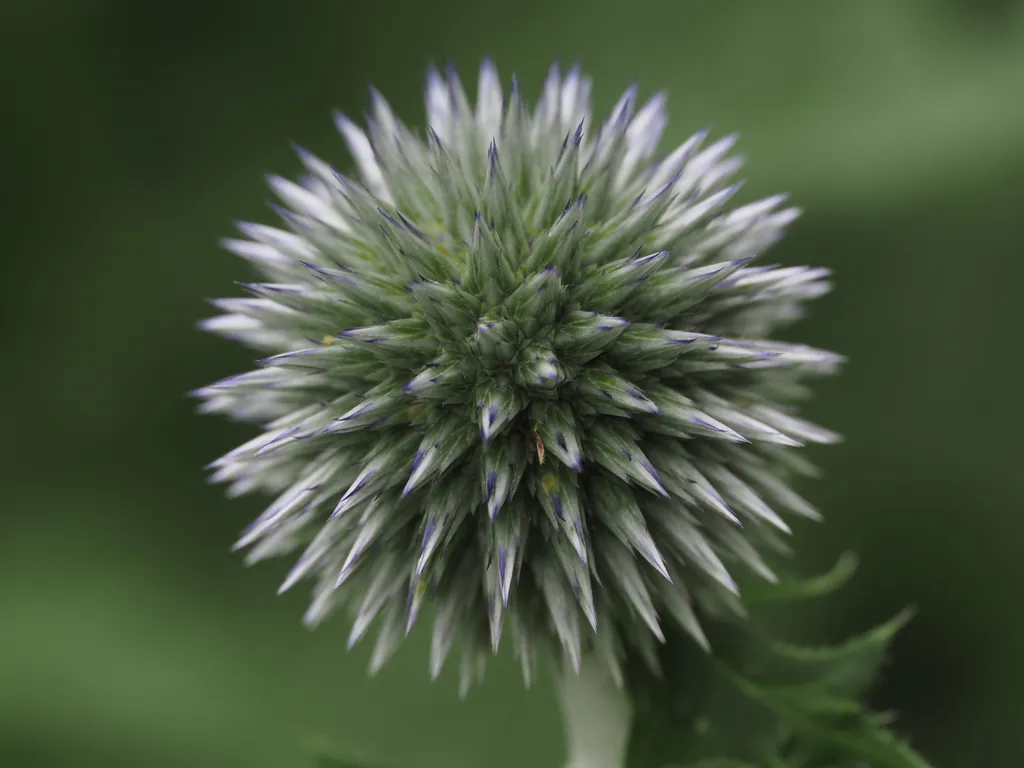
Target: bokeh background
x,y
130,637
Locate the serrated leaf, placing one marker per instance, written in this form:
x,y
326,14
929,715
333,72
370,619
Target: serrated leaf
x,y
847,669
758,703
861,736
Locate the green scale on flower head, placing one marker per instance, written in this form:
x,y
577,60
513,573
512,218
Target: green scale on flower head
x,y
519,371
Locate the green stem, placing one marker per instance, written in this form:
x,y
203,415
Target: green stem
x,y
597,714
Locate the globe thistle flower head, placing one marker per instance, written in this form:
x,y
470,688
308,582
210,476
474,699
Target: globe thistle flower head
x,y
520,370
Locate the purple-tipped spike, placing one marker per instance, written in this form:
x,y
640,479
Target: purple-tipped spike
x,y
577,137
428,532
417,460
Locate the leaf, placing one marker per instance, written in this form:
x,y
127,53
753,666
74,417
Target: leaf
x,y
760,592
813,699
862,736
327,754
756,702
690,714
847,669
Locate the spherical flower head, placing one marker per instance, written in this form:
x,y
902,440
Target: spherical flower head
x,y
520,370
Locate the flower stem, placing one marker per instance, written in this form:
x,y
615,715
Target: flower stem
x,y
597,715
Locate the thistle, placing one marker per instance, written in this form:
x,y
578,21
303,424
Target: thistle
x,y
520,371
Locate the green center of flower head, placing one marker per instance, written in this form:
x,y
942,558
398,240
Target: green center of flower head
x,y
521,371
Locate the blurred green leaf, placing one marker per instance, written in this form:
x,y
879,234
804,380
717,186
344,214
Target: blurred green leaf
x,y
691,714
832,734
799,589
756,702
327,754
847,669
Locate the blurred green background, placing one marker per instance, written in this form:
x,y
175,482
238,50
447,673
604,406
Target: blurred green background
x,y
137,131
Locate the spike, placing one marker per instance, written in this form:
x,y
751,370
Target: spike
x,y
502,465
380,592
559,498
443,637
497,407
557,434
614,449
678,604
690,541
585,335
599,387
562,607
618,510
622,571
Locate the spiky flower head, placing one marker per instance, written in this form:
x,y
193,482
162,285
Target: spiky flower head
x,y
520,371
